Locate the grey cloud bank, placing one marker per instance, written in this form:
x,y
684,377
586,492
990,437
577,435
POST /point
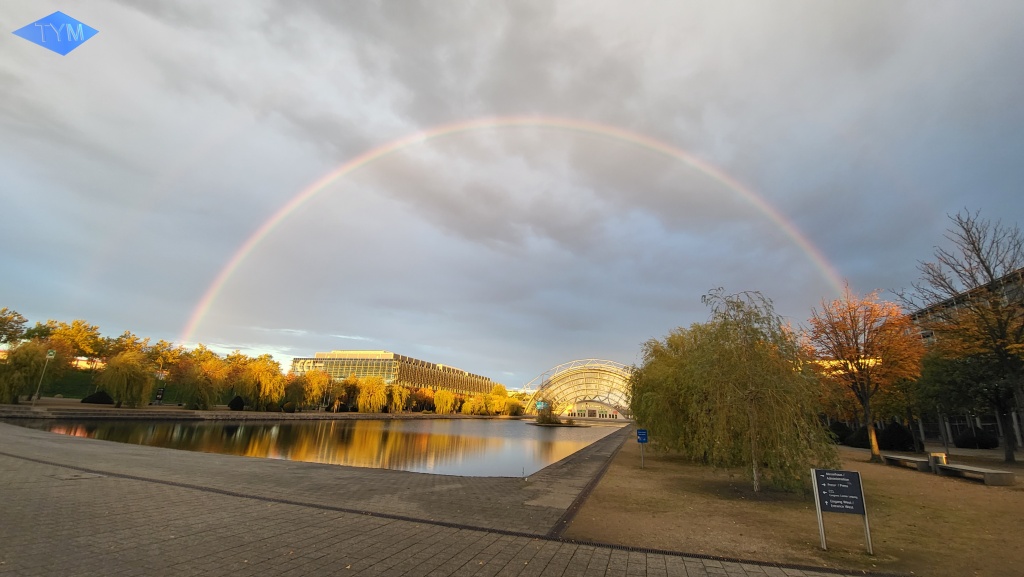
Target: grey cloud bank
x,y
133,169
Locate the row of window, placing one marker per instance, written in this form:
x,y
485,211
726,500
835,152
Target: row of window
x,y
592,414
416,374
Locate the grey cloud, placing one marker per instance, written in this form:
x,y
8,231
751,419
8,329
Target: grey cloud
x,y
183,127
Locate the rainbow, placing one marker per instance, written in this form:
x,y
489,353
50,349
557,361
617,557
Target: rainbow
x,y
490,123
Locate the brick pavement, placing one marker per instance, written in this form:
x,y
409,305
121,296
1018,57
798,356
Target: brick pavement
x,y
71,506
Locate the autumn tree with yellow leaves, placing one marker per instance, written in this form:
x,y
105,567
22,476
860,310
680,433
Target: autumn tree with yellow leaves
x,y
866,345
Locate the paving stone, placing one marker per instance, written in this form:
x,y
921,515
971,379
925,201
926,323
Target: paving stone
x,y
80,507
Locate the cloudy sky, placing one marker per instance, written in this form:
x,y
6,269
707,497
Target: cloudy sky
x,y
501,187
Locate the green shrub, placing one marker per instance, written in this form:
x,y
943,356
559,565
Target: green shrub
x,y
100,397
981,439
73,384
288,407
858,439
840,431
237,403
548,418
896,437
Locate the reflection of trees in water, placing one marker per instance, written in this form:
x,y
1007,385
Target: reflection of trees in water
x,y
379,444
355,443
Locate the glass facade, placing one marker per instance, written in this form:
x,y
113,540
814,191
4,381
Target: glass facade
x,y
393,368
591,388
588,410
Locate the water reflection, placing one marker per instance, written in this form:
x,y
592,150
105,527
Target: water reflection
x,y
445,447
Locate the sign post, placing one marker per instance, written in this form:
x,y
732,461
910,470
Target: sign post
x,y
49,356
839,492
641,437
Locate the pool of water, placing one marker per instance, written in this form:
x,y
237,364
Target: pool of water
x,y
474,448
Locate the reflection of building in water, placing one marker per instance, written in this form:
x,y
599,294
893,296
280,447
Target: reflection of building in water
x,y
393,368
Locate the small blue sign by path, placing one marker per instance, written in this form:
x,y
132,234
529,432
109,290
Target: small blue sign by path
x,y
57,32
541,405
641,435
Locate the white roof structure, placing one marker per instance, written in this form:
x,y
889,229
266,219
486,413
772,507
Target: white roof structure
x,y
583,380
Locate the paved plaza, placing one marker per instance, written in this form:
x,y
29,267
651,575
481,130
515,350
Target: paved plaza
x,y
77,506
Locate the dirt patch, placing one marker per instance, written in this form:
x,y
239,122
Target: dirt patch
x,y
920,523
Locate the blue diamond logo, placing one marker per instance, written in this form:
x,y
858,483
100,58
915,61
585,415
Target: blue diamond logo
x,y
58,32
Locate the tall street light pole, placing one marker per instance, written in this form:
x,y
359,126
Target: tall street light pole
x,y
49,355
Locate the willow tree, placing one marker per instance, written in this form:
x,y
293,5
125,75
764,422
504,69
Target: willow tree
x,y
200,375
866,345
196,388
317,384
349,391
263,381
128,378
737,390
26,369
398,397
444,402
373,395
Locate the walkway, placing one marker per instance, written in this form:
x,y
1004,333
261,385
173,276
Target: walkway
x,y
75,506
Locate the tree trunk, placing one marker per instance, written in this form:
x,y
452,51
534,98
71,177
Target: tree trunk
x,y
876,455
1016,425
1009,440
918,442
754,457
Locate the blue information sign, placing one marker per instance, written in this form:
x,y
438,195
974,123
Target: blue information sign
x,y
839,491
641,435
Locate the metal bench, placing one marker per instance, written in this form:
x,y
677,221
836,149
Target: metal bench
x,y
919,463
989,476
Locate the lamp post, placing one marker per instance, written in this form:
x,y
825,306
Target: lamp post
x,y
49,355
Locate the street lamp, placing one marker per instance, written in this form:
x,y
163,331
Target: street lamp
x,y
49,355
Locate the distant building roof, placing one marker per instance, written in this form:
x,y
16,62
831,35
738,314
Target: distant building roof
x,y
1013,279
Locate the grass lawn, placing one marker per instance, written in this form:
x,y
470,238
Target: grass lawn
x,y
920,523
